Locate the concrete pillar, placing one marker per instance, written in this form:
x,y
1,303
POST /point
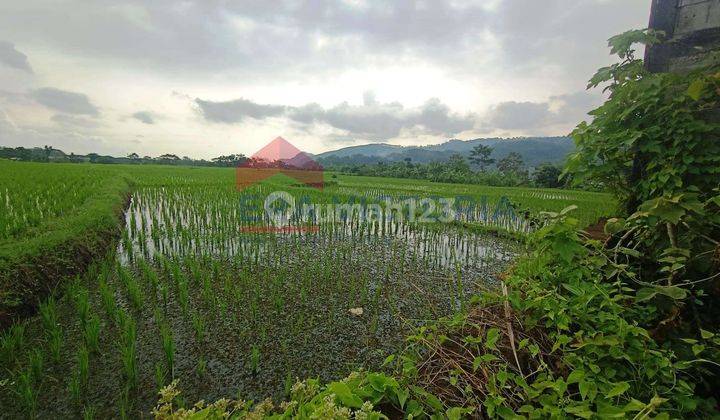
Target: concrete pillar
x,y
692,29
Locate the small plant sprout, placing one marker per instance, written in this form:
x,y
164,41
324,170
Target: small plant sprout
x,y
48,313
255,359
160,376
36,364
107,297
89,412
81,298
92,333
83,366
128,349
199,326
11,343
75,387
201,367
135,295
55,342
168,348
25,389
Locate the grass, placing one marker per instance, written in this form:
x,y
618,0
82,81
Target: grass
x,y
56,220
191,292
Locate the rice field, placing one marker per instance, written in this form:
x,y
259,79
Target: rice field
x,y
202,286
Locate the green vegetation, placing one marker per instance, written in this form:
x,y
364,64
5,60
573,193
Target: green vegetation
x,y
185,293
511,171
205,293
55,220
49,154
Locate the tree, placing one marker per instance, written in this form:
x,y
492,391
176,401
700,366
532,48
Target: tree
x,y
547,175
230,160
168,157
512,163
133,156
480,156
458,164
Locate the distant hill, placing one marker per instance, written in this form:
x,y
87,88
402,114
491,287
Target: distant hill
x,y
534,150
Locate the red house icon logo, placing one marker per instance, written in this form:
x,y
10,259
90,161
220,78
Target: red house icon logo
x,y
280,157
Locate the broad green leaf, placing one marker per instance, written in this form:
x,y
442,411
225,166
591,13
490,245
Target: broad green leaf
x,y
576,376
457,413
618,389
697,349
673,292
493,335
584,387
582,411
402,396
345,395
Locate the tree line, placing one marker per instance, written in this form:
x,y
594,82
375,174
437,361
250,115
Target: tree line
x,y
49,154
477,168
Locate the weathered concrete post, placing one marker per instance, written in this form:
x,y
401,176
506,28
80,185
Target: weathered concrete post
x,y
692,29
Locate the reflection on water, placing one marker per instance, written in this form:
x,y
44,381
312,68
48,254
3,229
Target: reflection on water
x,y
186,222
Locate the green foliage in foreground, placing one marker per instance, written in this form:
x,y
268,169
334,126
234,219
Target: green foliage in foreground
x,y
361,395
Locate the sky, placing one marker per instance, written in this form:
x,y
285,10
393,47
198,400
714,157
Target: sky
x,y
207,78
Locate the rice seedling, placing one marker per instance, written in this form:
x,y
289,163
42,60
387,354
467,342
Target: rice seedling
x,y
55,342
128,349
83,366
11,343
107,297
201,367
150,277
160,376
198,324
168,345
89,412
183,293
132,288
36,364
25,390
255,359
91,333
125,403
81,299
288,384
75,388
135,294
48,314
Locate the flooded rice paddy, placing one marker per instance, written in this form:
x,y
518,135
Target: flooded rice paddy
x,y
203,288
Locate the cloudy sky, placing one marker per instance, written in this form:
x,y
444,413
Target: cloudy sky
x,y
209,77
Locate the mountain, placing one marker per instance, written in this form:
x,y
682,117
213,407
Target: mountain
x,y
373,149
534,150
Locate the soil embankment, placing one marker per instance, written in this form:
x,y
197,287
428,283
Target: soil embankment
x,y
31,268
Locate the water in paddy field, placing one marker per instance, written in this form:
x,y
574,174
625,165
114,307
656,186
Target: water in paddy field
x,y
245,312
288,293
175,225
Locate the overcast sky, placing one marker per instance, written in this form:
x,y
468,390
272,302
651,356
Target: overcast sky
x,y
208,77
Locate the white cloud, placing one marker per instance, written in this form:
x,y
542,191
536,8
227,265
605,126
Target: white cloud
x,y
373,121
